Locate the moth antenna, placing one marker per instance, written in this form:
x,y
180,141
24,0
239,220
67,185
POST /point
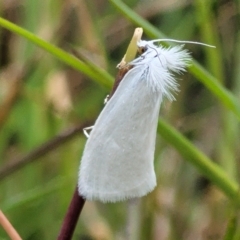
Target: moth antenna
x,y
179,41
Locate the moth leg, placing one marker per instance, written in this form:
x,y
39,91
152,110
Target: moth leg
x,y
106,99
85,131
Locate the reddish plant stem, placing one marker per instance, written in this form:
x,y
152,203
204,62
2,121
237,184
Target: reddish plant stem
x,y
77,202
71,218
121,73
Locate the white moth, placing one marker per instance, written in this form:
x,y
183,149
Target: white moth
x,y
117,162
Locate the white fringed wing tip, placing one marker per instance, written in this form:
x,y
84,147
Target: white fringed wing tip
x,y
117,162
162,63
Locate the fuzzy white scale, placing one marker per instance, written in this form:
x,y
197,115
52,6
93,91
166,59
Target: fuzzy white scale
x,y
117,162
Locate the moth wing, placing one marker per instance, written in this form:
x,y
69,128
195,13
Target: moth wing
x,y
117,161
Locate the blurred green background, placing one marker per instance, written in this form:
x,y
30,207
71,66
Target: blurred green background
x,y
42,97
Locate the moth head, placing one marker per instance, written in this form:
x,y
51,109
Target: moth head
x,y
142,46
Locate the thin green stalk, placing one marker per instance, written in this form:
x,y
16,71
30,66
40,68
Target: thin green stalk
x,y
225,96
204,164
209,34
231,229
96,74
149,29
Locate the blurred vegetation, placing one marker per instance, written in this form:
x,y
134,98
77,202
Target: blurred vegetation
x,y
45,92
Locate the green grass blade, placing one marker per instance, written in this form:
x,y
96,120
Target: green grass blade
x,y
231,229
208,168
226,97
149,29
96,74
